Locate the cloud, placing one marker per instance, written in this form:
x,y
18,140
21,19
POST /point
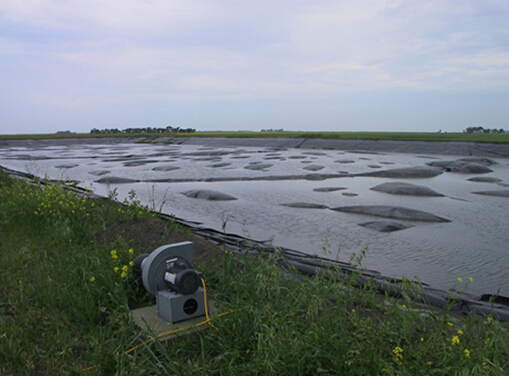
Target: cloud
x,y
72,54
114,16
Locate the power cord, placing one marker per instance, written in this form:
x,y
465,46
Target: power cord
x,y
206,321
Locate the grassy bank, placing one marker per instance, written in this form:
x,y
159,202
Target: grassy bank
x,y
67,289
396,136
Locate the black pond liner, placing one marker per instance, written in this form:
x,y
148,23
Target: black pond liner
x,y
485,305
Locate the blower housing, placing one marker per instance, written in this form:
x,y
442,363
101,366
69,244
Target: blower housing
x,y
167,274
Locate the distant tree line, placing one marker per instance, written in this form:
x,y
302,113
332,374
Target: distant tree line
x,y
168,129
272,130
483,130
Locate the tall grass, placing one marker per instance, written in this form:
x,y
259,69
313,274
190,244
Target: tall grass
x,y
65,303
64,299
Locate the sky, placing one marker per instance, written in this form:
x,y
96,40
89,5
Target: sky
x,y
364,65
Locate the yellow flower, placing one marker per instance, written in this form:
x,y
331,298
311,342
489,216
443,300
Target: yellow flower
x,y
429,363
455,341
124,268
422,339
460,331
490,320
467,353
131,264
92,279
449,323
460,280
131,251
471,279
398,352
115,269
123,275
114,255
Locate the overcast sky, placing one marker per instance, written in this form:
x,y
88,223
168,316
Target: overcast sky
x,y
364,65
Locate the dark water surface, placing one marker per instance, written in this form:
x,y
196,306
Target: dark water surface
x,y
473,244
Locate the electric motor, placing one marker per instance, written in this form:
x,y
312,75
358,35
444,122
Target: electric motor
x,y
181,278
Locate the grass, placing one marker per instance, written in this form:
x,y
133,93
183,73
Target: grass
x,y
397,136
67,289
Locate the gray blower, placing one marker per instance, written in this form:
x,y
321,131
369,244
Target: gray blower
x,y
168,275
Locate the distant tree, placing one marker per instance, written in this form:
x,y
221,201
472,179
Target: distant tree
x,y
168,129
484,130
474,130
273,130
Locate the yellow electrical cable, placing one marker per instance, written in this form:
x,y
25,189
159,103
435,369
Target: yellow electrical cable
x,y
206,303
207,321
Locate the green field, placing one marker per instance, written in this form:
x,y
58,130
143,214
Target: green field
x,y
401,136
67,289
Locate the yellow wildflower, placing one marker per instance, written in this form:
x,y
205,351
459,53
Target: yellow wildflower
x,y
131,251
124,268
115,269
460,280
131,264
460,331
455,340
467,353
123,275
92,279
398,352
114,255
471,279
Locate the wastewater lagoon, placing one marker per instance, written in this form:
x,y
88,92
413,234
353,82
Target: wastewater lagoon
x,y
326,201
